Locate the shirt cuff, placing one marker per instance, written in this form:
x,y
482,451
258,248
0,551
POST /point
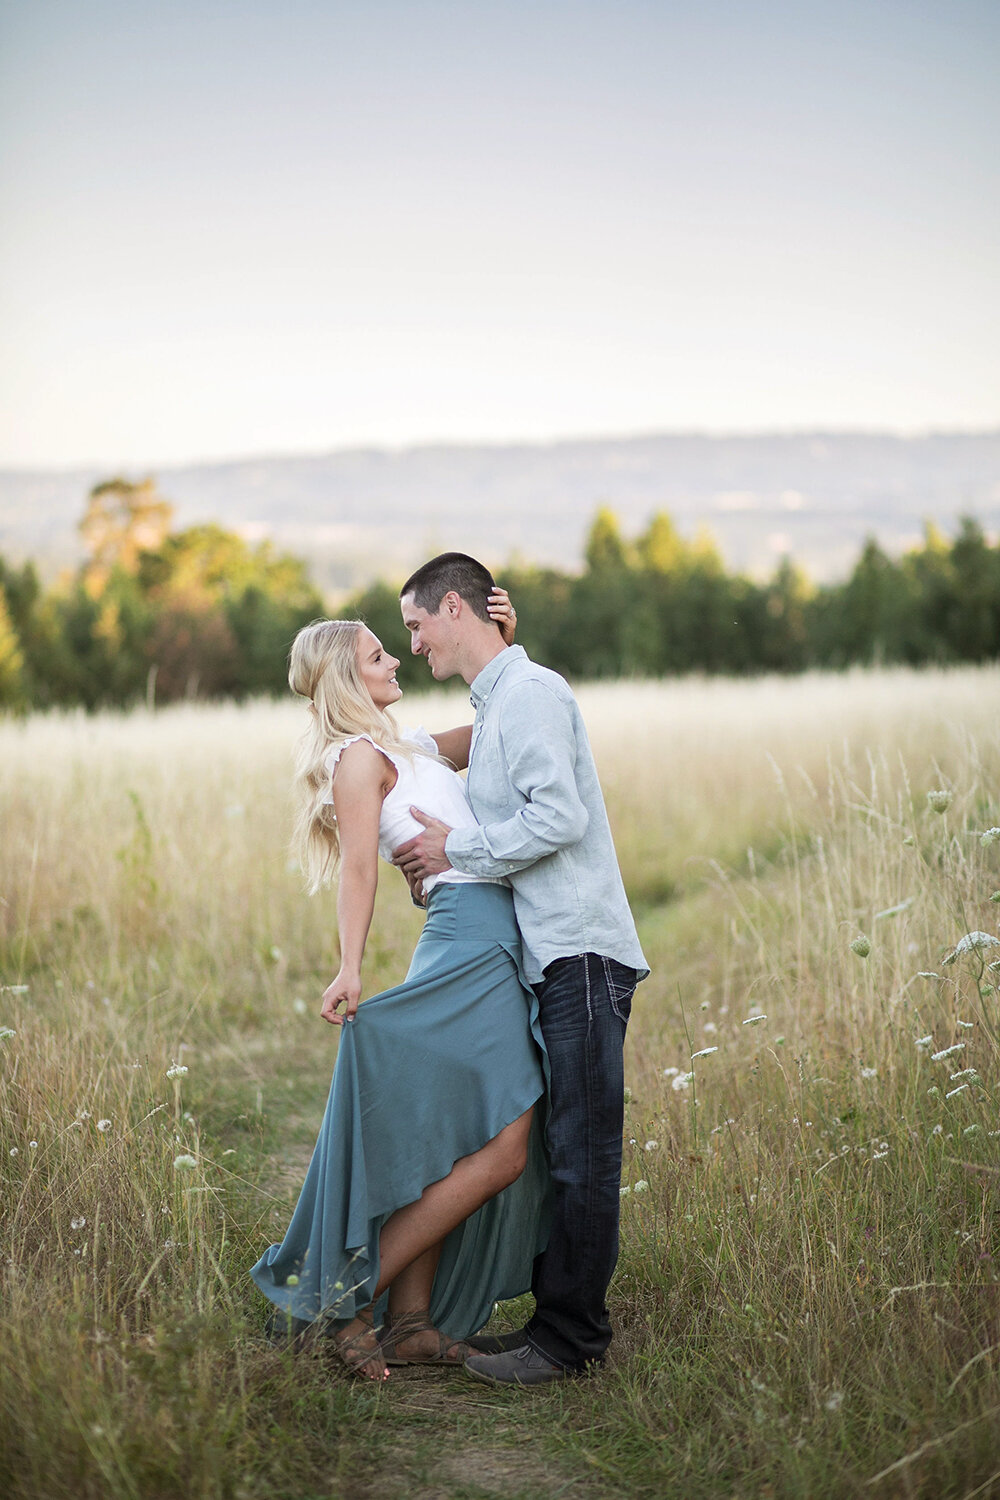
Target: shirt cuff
x,y
466,851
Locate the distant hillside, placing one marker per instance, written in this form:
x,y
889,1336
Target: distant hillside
x,y
360,513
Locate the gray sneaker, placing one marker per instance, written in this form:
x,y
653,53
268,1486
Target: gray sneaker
x,y
522,1366
497,1343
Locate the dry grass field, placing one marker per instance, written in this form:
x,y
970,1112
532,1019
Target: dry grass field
x,y
807,1300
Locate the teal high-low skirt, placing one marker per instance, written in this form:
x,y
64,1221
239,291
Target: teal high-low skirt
x,y
426,1073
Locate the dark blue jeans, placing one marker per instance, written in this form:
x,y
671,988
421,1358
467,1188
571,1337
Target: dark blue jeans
x,y
584,1005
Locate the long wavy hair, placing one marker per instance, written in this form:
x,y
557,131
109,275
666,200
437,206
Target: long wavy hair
x,y
323,667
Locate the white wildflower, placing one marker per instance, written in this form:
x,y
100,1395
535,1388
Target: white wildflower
x,y
6,1033
104,1125
176,1070
627,1096
927,974
938,1130
15,989
989,837
924,1041
77,1223
834,1401
948,1051
710,1028
32,1145
184,1163
939,801
624,1192
651,1146
970,1129
752,1020
971,943
14,1151
969,1073
682,1081
869,1072
861,945
300,1007
274,953
642,1186
705,1052
966,1025
952,1092
670,1072
880,1155
84,1114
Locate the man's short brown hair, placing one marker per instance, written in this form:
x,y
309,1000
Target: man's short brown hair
x,y
451,572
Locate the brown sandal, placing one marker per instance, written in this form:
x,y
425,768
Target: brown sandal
x,y
355,1352
450,1352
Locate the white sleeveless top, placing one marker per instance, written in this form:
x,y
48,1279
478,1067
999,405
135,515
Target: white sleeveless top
x,y
424,783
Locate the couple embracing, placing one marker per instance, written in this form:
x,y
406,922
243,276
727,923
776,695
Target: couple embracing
x,y
471,1146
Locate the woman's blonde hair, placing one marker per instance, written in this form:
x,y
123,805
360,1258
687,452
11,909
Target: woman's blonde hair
x,y
323,667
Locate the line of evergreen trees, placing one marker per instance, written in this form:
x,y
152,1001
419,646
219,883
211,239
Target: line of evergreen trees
x,y
159,614
663,605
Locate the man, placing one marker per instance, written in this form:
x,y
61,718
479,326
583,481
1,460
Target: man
x,y
543,825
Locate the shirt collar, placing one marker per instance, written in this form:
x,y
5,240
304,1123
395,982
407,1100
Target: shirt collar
x,y
483,685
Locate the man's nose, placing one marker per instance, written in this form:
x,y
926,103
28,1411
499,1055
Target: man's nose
x,y
415,643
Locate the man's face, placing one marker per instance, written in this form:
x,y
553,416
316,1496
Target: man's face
x,y
433,636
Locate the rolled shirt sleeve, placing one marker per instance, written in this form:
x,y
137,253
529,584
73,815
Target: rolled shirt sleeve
x,y
538,746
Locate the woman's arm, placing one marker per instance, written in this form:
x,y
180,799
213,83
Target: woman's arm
x,y
454,744
359,788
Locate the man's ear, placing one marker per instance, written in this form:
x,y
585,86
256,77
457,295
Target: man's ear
x,y
451,603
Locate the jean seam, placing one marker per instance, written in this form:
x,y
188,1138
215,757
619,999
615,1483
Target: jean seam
x,y
613,996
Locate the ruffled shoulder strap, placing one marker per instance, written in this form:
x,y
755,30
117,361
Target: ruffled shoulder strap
x,y
422,738
333,756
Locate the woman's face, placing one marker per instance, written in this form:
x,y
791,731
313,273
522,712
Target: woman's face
x,y
378,670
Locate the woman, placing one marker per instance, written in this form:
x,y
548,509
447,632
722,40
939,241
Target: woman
x,y
425,1197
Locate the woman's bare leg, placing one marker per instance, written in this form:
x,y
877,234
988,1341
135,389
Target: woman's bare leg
x,y
411,1238
410,1292
472,1181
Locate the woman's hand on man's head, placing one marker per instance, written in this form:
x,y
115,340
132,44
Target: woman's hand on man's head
x,y
500,609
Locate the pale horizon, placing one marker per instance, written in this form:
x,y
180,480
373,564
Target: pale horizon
x,y
274,455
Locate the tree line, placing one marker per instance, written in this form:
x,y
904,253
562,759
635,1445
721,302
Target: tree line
x,y
158,614
663,605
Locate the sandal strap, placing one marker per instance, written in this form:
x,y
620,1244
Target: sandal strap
x,y
407,1324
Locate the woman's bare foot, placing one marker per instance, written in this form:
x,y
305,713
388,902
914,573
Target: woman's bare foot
x,y
358,1348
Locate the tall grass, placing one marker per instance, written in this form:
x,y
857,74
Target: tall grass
x,y
807,1297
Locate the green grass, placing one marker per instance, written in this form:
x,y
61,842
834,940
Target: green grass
x,y
807,1299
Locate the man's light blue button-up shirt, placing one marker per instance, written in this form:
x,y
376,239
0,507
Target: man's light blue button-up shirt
x,y
533,786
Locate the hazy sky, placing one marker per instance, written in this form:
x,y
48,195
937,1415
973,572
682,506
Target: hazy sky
x,y
231,228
